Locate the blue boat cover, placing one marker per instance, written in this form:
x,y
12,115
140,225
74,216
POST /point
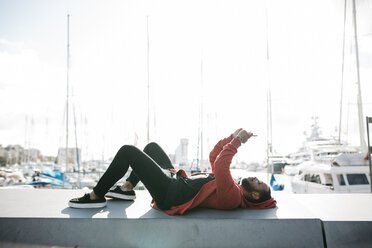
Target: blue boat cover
x,y
54,183
54,174
275,185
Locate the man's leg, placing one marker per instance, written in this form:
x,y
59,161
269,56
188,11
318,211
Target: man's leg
x,y
158,155
147,170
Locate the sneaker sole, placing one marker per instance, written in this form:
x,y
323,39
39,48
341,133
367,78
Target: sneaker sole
x,y
87,205
120,196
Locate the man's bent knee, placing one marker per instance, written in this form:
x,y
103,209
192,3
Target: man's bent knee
x,y
127,148
150,146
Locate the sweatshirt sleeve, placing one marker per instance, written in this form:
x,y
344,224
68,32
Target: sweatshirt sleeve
x,y
217,149
228,194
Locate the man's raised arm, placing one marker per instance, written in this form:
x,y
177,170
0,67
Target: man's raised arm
x,y
227,192
219,146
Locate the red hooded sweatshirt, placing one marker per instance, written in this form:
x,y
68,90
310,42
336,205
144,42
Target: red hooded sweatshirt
x,y
222,192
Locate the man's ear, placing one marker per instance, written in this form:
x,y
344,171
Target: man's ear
x,y
255,195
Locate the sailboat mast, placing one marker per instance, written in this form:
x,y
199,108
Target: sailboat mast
x,y
67,90
201,114
148,80
363,145
269,115
342,76
26,138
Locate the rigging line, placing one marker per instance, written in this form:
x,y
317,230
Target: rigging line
x,y
76,142
342,75
269,116
73,99
347,123
363,145
199,151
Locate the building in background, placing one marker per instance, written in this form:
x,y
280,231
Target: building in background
x,y
15,154
181,153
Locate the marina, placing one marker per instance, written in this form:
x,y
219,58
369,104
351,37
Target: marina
x,y
320,166
79,81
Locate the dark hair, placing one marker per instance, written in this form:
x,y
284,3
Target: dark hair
x,y
266,195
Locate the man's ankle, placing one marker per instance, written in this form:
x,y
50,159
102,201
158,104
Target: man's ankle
x,y
93,196
127,186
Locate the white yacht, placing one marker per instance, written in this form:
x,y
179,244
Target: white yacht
x,y
346,173
328,166
317,149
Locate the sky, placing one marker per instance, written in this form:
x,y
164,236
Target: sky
x,y
201,53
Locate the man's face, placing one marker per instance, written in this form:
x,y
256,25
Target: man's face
x,y
253,188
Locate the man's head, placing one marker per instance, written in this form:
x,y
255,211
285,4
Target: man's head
x,y
255,190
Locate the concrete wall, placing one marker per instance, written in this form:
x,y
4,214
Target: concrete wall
x,y
348,233
42,218
161,232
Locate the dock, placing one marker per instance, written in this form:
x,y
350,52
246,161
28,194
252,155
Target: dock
x,y
42,218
